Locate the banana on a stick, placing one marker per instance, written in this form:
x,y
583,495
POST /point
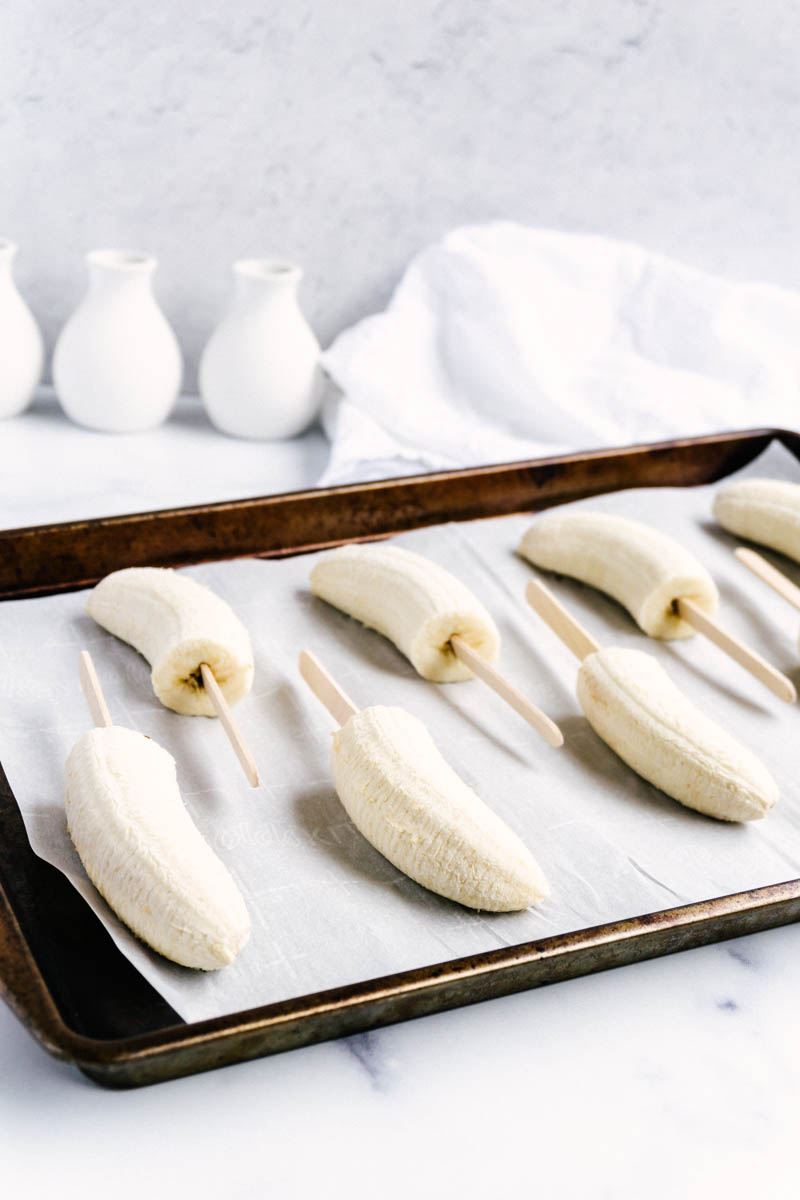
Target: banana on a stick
x,y
178,625
631,702
412,601
646,571
141,849
766,511
431,617
665,589
410,805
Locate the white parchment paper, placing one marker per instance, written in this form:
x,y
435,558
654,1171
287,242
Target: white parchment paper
x,y
327,909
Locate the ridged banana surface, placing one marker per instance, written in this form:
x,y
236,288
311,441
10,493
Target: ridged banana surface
x,y
410,804
634,706
416,603
177,624
762,510
643,569
145,855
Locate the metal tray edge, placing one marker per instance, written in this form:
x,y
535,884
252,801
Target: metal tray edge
x,y
187,1049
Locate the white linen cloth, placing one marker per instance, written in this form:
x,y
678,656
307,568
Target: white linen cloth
x,y
503,342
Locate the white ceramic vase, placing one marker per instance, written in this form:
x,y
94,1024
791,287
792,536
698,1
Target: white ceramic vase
x,y
117,365
259,374
21,346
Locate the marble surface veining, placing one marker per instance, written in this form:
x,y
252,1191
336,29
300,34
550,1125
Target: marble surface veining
x,y
347,136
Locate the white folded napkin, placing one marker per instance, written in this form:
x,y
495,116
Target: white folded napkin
x,y
503,342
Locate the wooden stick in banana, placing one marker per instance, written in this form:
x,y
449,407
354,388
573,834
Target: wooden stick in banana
x,y
506,691
633,705
778,683
667,591
411,806
769,575
562,622
325,688
240,747
93,692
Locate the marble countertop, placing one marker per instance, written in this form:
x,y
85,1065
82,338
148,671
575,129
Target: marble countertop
x,y
673,1078
676,1077
52,470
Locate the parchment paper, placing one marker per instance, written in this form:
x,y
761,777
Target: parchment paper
x,y
327,909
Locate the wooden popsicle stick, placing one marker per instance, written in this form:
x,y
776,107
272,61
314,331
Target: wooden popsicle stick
x,y
778,683
521,704
221,708
93,692
769,574
562,623
327,691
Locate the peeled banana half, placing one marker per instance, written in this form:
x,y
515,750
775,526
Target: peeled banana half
x,y
145,855
177,624
766,511
643,569
414,602
631,702
412,807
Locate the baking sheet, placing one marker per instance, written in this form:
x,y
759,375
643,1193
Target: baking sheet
x,y
327,909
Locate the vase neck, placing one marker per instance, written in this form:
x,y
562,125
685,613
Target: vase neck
x,y
120,269
264,280
8,252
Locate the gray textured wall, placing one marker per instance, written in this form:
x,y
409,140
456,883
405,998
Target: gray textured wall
x,y
347,135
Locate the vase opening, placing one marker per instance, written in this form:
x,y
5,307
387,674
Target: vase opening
x,y
268,269
122,260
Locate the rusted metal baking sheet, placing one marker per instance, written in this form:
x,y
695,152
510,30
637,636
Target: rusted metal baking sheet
x,y
53,558
60,971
